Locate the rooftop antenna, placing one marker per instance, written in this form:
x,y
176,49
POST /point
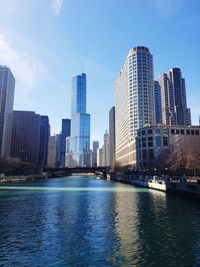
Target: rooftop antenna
x,y
83,68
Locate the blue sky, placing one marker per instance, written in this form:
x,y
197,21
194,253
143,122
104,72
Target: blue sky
x,y
46,42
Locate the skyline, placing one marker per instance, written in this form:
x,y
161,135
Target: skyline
x,y
70,34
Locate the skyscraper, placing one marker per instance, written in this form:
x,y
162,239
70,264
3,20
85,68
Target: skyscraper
x,y
51,161
58,151
173,98
66,129
112,136
106,149
7,87
157,101
78,144
25,136
44,139
95,146
134,102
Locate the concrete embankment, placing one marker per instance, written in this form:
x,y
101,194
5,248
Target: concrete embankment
x,y
181,186
23,178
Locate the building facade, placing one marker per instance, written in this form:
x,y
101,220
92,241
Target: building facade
x,y
44,139
66,130
173,98
157,101
112,136
95,146
100,157
106,149
134,102
7,87
51,162
78,144
26,136
159,144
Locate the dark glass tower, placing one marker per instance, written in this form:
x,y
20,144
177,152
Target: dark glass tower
x,y
66,129
44,139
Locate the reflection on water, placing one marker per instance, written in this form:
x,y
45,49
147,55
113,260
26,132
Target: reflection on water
x,y
97,228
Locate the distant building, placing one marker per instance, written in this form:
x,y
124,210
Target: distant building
x,y
106,149
78,144
51,162
134,102
58,149
157,101
94,152
100,157
156,142
44,139
112,136
173,98
66,129
7,87
26,136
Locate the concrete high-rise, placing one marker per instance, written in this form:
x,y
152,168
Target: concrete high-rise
x,y
51,162
173,98
44,139
106,149
25,136
66,129
78,144
157,101
100,157
95,147
112,136
7,87
134,102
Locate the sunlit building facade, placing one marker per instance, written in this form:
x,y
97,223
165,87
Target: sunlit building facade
x,y
134,102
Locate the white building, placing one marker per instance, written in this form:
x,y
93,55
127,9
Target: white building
x,y
100,157
134,102
106,149
7,87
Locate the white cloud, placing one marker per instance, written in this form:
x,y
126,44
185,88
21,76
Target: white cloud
x,y
167,8
56,6
28,70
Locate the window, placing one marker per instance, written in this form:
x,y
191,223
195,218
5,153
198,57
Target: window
x,y
157,131
150,131
172,131
177,131
165,141
143,132
182,131
158,141
188,132
144,154
197,132
192,132
151,154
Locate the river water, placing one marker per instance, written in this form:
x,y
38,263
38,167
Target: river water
x,y
82,221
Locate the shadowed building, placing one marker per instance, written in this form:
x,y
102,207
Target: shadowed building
x,y
25,136
95,147
66,129
173,98
44,139
7,87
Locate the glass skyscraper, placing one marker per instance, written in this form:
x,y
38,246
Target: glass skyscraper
x,y
78,144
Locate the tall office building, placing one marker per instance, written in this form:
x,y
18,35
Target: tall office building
x,y
66,129
25,136
134,102
112,136
100,157
44,139
78,144
173,98
51,161
157,101
95,146
7,87
58,149
106,149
